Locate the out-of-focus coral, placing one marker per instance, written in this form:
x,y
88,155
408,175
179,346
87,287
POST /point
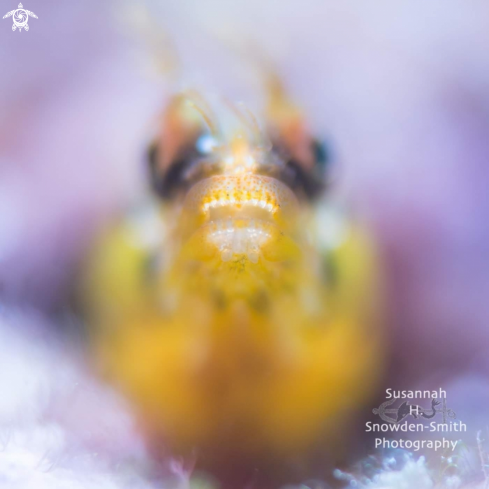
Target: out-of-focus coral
x,y
58,426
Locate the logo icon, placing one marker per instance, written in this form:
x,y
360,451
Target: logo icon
x,y
20,17
414,410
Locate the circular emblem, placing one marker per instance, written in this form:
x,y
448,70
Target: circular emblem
x,y
20,18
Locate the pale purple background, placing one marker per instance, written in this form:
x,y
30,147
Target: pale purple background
x,y
401,88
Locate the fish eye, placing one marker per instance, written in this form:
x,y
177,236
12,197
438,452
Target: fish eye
x,y
168,185
308,183
189,166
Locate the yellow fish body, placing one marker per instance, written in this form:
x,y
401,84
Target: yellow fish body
x,y
233,332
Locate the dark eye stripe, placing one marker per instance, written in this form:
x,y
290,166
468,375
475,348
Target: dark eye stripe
x,y
188,168
173,181
301,180
191,165
306,183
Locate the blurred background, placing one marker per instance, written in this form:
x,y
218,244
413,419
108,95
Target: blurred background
x,y
400,89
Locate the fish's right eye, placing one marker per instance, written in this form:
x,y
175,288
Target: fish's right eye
x,y
189,165
168,184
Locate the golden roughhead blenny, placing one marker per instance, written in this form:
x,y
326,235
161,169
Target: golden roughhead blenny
x,y
239,310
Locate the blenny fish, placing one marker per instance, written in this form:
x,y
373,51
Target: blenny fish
x,y
238,308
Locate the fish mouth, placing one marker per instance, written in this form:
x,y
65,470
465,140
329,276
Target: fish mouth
x,y
240,215
247,195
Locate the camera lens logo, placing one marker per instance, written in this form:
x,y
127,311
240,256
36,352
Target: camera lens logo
x,y
20,16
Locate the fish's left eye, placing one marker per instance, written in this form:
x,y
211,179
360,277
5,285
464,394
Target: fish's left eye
x,y
308,182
